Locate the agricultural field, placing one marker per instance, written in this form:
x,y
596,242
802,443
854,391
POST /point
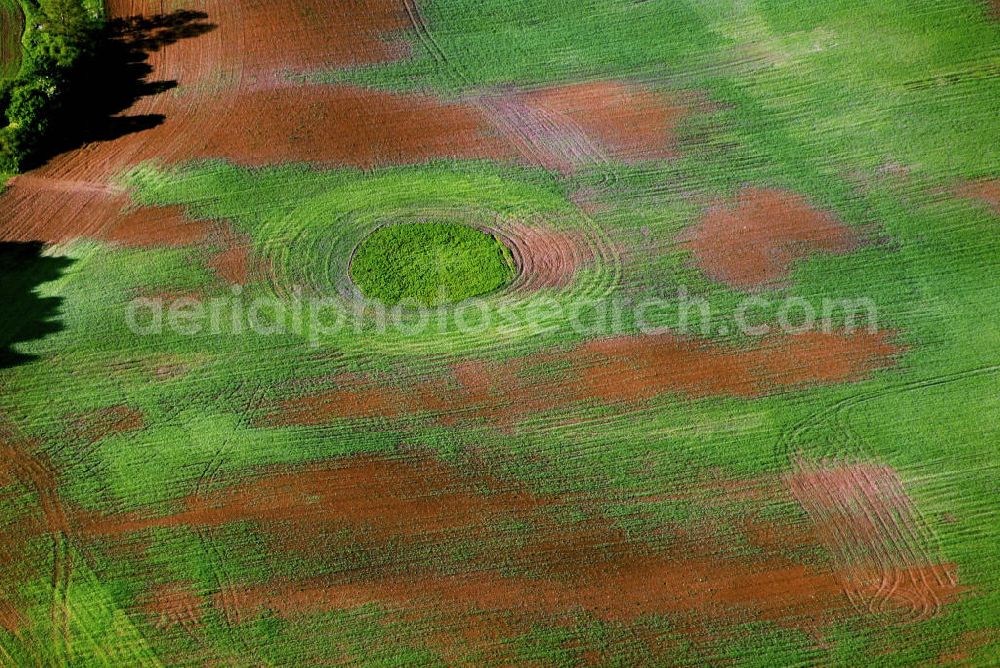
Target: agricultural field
x,y
11,29
510,332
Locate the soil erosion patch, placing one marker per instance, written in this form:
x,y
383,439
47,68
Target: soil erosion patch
x,y
430,263
628,121
341,125
626,371
757,242
985,191
884,551
554,566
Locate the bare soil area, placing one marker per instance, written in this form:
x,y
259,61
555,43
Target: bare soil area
x,y
623,371
757,241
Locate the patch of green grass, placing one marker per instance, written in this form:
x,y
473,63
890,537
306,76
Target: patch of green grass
x,y
11,29
430,263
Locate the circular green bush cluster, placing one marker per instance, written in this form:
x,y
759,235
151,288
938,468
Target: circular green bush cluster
x,y
428,264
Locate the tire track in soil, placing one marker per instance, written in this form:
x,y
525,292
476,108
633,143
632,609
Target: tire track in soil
x,y
43,480
558,144
504,116
419,24
868,521
174,608
35,475
223,580
225,583
555,141
891,556
184,615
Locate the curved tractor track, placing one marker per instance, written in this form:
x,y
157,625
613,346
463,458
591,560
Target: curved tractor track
x,y
544,138
890,557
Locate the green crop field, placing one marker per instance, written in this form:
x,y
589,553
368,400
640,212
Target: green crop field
x,y
513,333
11,28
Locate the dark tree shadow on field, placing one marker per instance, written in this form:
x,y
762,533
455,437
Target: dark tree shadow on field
x,y
113,77
24,314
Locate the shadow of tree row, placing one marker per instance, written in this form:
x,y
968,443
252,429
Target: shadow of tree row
x,y
113,77
102,86
27,316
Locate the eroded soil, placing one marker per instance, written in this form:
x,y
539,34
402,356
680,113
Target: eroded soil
x,y
756,241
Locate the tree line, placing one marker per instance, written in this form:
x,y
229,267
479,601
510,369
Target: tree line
x,y
60,37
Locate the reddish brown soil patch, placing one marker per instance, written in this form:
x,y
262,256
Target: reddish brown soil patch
x,y
37,212
423,497
236,263
97,425
987,191
636,368
156,226
619,371
40,214
174,604
232,265
11,619
620,592
17,461
37,181
757,242
865,517
625,120
552,565
347,126
309,34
